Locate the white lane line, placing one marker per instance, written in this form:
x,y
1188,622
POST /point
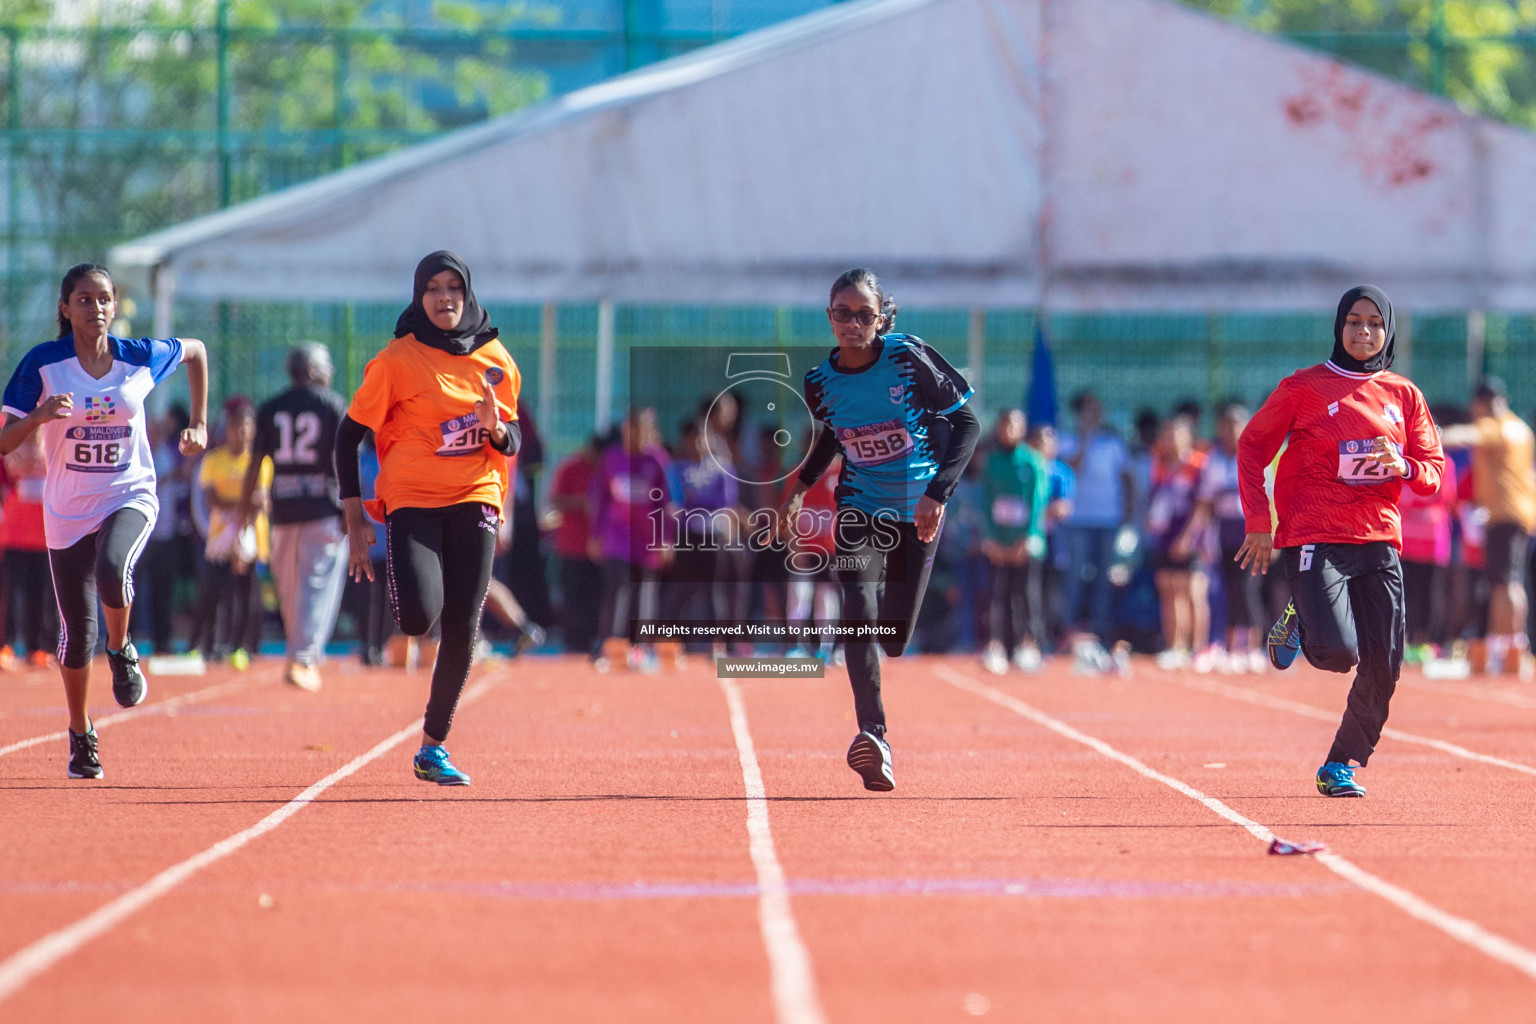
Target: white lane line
x,y
789,962
35,958
1475,935
1476,691
157,708
1264,700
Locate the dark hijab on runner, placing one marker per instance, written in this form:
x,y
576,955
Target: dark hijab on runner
x,y
474,327
1341,358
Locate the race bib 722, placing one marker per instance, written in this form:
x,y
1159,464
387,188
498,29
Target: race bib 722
x,y
97,449
1358,468
876,443
462,435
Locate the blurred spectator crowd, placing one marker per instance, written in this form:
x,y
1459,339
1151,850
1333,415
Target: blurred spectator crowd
x,y
1077,542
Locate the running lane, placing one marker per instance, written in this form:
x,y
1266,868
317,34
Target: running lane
x,y
1016,871
1455,831
597,870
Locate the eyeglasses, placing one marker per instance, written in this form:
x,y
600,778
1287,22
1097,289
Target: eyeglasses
x,y
863,317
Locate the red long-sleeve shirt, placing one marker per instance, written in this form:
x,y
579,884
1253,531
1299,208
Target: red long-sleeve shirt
x,y
1327,488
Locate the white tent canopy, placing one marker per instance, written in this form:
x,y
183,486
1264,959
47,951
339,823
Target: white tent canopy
x,y
1094,154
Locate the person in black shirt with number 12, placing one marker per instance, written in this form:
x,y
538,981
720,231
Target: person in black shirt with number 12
x,y
297,430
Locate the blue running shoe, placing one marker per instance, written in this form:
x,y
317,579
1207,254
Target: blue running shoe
x,y
1284,641
870,756
1336,779
432,765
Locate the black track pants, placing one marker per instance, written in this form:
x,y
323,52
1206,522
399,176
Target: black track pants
x,y
1349,599
439,567
99,563
1016,612
884,570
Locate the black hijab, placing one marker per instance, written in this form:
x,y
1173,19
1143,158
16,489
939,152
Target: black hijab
x,y
474,327
1341,357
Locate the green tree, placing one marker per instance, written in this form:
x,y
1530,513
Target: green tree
x,y
1479,53
128,126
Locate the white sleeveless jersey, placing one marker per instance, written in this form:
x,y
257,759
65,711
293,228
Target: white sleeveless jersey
x,y
99,458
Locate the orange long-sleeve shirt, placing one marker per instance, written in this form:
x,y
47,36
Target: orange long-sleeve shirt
x,y
1327,488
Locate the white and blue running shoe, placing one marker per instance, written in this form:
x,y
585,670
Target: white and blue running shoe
x,y
432,765
1338,779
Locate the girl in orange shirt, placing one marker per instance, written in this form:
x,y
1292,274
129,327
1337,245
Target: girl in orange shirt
x,y
441,399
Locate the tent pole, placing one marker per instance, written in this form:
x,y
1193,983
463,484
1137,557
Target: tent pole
x,y
976,355
163,284
162,287
1476,323
604,364
549,327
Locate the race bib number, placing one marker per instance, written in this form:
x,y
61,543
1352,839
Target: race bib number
x,y
875,443
97,449
1010,510
462,435
1356,466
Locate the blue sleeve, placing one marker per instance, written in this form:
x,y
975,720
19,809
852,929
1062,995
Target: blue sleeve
x,y
25,389
941,386
674,480
160,355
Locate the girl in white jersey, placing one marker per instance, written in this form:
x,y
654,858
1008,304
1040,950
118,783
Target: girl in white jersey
x,y
85,392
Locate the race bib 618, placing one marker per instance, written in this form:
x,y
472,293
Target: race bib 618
x,y
97,449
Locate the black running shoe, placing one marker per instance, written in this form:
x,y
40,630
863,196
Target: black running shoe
x,y
870,756
128,684
83,762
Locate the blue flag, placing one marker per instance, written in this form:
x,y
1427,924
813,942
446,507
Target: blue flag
x,y
1040,401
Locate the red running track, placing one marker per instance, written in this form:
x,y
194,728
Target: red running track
x,y
600,868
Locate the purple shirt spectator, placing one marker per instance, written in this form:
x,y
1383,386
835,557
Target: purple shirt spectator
x,y
631,506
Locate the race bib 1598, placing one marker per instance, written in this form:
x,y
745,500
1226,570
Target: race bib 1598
x,y
876,443
462,435
1358,468
97,449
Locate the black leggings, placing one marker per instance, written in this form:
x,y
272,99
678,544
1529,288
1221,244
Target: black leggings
x,y
884,570
1244,592
1349,600
628,594
31,616
1424,586
1018,602
439,567
98,564
228,611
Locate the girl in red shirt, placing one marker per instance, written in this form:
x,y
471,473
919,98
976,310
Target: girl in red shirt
x,y
1357,434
